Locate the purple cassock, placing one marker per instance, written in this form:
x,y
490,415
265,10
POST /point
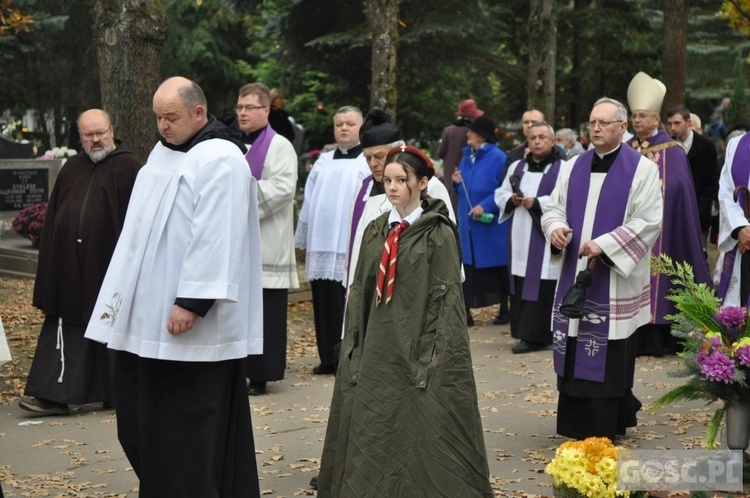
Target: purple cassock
x,y
680,236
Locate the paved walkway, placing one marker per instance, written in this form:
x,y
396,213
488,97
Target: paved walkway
x,y
79,456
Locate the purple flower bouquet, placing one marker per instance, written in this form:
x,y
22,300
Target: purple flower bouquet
x,y
716,358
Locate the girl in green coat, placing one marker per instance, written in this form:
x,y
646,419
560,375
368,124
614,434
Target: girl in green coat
x,y
404,420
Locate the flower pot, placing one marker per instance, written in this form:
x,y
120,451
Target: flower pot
x,y
738,425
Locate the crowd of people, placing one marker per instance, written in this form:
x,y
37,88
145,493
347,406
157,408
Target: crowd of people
x,y
165,285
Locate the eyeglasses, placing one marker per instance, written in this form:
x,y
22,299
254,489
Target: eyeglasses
x,y
98,134
241,108
641,116
601,124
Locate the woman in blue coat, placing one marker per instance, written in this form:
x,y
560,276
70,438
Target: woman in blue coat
x,y
483,239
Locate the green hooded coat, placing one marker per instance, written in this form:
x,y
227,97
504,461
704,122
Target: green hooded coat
x,y
404,419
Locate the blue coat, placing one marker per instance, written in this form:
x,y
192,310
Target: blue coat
x,y
484,245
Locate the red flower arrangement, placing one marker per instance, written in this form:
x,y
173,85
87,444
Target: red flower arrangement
x,y
29,222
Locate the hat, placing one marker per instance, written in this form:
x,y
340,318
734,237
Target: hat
x,y
408,149
646,93
484,127
377,129
469,109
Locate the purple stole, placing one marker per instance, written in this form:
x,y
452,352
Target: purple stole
x,y
537,243
740,175
359,208
593,328
256,156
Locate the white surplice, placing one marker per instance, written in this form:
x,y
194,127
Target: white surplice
x,y
628,246
276,189
523,225
731,217
323,224
191,231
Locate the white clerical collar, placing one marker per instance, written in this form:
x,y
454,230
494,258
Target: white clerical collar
x,y
688,142
410,218
602,156
346,151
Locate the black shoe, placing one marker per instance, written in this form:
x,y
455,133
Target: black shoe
x,y
324,369
525,347
43,406
501,320
314,482
469,320
256,388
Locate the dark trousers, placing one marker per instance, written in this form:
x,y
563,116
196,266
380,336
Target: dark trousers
x,y
328,310
272,363
185,427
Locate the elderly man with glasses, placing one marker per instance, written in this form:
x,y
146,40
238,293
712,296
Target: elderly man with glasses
x,y
606,205
84,218
680,236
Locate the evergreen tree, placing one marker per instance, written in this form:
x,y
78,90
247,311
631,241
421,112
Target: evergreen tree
x,y
739,107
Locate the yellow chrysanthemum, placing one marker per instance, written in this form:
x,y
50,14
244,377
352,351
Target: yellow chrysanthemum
x,y
588,466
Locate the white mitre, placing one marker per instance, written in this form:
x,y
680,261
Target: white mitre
x,y
646,93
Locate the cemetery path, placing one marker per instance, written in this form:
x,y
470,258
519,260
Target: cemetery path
x,y
79,455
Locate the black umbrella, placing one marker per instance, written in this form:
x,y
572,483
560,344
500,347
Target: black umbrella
x,y
573,301
536,217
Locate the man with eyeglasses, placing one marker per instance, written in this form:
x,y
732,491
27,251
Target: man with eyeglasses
x,y
533,275
680,237
606,205
273,163
322,233
85,215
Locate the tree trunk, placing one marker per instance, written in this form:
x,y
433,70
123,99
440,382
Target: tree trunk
x,y
542,27
579,108
674,58
129,36
382,20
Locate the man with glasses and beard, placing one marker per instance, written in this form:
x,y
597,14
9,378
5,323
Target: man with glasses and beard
x,y
680,236
84,218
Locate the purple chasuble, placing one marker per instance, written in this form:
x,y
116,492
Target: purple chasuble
x,y
593,328
680,236
537,242
741,176
256,156
359,208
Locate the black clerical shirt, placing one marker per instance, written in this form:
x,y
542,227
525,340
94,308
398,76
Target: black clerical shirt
x,y
603,163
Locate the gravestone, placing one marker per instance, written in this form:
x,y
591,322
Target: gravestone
x,y
23,183
10,149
